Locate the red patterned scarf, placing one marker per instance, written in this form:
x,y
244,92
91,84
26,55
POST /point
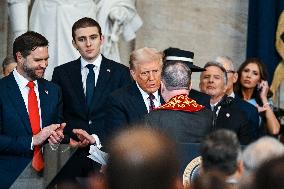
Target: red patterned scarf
x,y
183,103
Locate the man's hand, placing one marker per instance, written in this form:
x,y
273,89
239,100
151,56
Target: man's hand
x,y
84,139
57,136
39,138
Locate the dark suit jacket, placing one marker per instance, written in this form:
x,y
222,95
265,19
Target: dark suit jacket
x,y
200,98
125,106
251,114
182,126
233,118
75,110
15,129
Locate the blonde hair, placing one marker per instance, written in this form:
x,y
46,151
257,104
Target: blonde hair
x,y
145,54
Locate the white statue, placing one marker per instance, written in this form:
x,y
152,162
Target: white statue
x,y
54,20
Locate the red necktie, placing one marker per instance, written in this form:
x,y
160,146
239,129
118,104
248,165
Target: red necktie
x,y
37,162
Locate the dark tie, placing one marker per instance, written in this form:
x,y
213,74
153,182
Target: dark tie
x,y
37,162
90,84
152,105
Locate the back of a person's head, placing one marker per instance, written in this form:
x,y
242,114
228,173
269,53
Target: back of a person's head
x,y
210,180
260,151
176,75
270,175
140,158
220,151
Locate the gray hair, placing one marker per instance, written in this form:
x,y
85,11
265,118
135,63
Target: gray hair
x,y
219,65
8,60
227,59
261,151
176,76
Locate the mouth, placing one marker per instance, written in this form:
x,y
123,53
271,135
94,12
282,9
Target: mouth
x,y
89,51
247,81
210,87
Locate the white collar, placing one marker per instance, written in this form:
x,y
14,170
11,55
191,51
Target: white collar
x,y
97,62
146,95
232,95
21,80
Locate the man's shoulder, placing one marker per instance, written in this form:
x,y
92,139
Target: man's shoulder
x,y
67,65
48,84
124,91
114,64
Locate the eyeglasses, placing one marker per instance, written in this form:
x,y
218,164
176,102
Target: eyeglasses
x,y
230,71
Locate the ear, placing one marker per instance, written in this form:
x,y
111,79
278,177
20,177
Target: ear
x,y
74,44
235,77
19,57
102,39
190,86
240,167
162,86
133,74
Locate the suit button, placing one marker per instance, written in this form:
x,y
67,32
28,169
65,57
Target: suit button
x,y
90,122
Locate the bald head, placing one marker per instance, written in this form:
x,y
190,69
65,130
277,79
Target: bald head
x,y
142,158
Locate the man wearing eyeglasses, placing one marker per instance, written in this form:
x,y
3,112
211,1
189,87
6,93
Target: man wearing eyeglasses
x,y
249,110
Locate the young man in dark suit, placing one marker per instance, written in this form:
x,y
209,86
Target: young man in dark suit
x,y
86,83
30,108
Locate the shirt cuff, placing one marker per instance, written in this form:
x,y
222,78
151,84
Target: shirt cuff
x,y
98,143
32,144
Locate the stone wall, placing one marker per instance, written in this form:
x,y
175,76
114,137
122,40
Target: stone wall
x,y
208,28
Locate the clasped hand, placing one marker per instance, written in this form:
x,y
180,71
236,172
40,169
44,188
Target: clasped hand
x,y
85,139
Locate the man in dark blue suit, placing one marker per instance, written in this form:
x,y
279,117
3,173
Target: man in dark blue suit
x,y
24,127
129,104
227,115
249,110
86,83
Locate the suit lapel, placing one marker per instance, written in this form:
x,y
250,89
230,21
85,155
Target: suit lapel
x,y
43,96
102,82
137,101
75,77
18,101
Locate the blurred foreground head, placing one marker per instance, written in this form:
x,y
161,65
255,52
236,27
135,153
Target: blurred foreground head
x,y
140,158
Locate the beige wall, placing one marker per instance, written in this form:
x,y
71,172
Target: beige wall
x,y
208,28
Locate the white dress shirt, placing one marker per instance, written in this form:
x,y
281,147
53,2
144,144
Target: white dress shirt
x,y
85,70
145,96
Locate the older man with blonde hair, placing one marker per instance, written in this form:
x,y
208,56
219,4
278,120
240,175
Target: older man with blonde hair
x,y
129,104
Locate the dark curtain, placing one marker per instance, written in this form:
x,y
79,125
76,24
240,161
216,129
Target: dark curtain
x,y
262,24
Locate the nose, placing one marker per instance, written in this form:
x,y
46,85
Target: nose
x,y
43,63
151,76
210,80
88,42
